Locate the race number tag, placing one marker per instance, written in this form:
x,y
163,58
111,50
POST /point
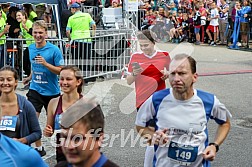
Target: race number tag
x,y
8,123
182,154
57,122
40,77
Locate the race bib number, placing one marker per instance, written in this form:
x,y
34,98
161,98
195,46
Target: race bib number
x,y
182,154
40,77
8,123
57,122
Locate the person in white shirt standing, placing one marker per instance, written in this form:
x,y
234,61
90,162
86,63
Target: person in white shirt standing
x,y
214,23
223,21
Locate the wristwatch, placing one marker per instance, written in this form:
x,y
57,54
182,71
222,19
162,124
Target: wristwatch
x,y
216,146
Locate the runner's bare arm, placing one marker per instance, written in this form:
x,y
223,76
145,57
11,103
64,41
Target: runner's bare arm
x,y
222,132
48,131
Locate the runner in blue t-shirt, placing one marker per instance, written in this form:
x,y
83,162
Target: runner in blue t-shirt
x,y
46,62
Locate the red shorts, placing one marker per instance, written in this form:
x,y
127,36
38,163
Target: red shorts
x,y
212,28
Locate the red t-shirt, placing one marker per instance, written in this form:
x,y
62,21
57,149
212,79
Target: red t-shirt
x,y
149,81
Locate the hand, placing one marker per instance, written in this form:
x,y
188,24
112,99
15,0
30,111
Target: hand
x,y
40,60
165,74
6,28
137,71
23,25
48,131
16,30
209,153
26,80
21,140
245,15
160,137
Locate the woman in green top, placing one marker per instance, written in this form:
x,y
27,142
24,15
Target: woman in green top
x,y
30,12
26,33
25,26
4,29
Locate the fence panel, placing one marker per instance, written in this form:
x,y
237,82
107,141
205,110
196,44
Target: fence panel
x,y
105,54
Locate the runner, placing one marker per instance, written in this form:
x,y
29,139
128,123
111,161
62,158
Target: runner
x,y
71,82
19,120
46,62
181,113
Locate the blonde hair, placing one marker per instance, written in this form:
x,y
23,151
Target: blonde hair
x,y
40,23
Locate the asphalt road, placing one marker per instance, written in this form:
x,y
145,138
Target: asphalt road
x,y
226,73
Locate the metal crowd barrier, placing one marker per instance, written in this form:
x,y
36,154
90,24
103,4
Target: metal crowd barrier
x,y
16,55
92,10
105,54
141,17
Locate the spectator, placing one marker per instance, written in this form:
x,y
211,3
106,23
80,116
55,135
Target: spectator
x,y
5,10
31,14
66,13
244,19
12,21
213,25
223,21
115,4
197,24
25,33
203,16
4,29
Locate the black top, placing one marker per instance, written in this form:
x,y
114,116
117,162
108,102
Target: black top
x,y
14,24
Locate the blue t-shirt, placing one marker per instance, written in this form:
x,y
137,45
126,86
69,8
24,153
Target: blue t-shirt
x,y
15,154
43,80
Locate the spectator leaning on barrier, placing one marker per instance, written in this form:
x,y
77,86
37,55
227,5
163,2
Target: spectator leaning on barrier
x,y
181,114
46,62
84,120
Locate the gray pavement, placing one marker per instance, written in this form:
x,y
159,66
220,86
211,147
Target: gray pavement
x,y
226,73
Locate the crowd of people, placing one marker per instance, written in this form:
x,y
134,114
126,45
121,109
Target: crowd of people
x,y
198,21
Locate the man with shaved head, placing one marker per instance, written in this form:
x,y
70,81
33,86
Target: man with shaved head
x,y
82,134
